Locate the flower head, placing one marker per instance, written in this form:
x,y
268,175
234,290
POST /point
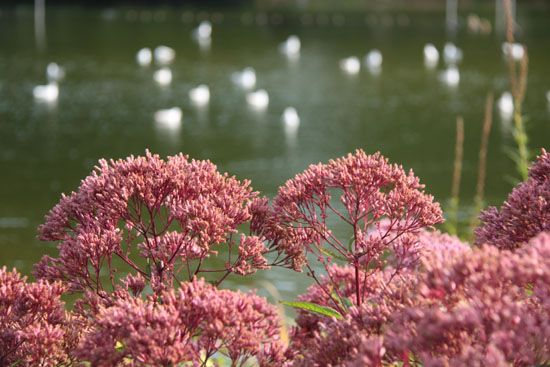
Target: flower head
x,y
480,306
359,190
484,305
525,213
34,329
193,324
170,214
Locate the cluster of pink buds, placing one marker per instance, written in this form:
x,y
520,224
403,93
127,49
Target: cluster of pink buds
x,y
198,323
525,213
382,205
160,219
34,328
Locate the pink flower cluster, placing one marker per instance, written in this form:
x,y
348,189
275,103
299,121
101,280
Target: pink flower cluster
x,y
385,295
382,205
196,323
33,323
173,214
525,213
486,307
313,340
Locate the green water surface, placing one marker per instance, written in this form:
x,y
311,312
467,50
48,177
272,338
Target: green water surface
x,y
107,102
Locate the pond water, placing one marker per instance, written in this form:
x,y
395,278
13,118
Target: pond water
x,y
107,103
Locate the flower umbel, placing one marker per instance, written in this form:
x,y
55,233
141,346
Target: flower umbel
x,y
194,324
160,219
34,325
523,215
382,206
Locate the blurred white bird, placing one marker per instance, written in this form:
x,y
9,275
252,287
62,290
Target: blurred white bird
x,y
350,65
164,55
451,76
506,106
163,76
431,56
46,93
200,96
258,99
452,54
245,79
291,47
514,50
203,31
548,97
54,72
144,56
205,43
169,119
291,119
373,61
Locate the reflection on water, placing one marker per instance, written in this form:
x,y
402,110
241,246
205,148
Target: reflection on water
x,y
261,95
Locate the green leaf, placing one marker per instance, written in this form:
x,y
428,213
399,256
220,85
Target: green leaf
x,y
344,301
315,308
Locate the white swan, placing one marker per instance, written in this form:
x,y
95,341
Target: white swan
x,y
144,56
506,106
451,76
514,50
350,65
46,93
431,56
452,54
258,99
245,79
163,76
203,31
291,47
164,55
291,120
169,119
200,96
54,72
373,61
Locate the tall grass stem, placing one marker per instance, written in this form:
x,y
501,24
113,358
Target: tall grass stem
x,y
452,225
